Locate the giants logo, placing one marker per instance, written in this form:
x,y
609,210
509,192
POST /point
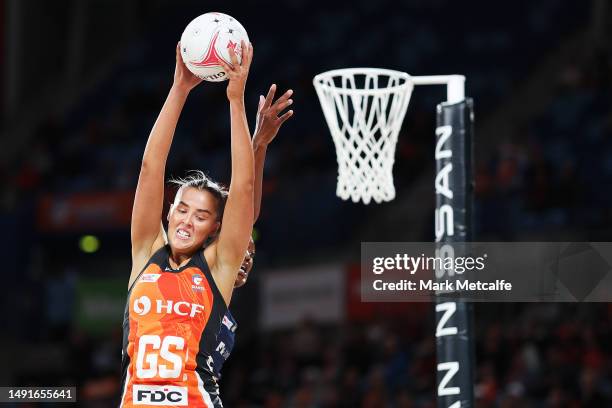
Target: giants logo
x,y
160,395
142,306
197,282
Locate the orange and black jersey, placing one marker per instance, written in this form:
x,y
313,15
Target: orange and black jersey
x,y
172,318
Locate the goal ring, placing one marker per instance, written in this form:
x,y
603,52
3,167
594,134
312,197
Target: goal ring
x,y
364,109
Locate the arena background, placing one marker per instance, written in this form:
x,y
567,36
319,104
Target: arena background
x,y
82,82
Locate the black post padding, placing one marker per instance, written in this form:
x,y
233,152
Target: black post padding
x,y
454,195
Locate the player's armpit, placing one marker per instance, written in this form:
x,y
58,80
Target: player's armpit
x,y
140,259
234,237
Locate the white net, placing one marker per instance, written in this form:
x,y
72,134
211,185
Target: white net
x,y
364,109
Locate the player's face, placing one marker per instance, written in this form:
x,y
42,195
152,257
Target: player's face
x,y
192,219
247,265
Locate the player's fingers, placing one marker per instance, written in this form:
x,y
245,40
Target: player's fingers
x,y
226,67
282,99
285,116
282,106
270,96
262,100
233,57
249,54
244,54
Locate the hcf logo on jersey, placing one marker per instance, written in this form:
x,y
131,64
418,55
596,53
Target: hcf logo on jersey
x,y
143,306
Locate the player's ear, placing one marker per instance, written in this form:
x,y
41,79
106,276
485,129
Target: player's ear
x,y
169,212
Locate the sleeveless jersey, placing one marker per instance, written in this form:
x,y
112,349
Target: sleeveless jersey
x,y
225,343
171,321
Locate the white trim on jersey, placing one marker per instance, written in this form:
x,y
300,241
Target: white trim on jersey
x,y
127,381
205,395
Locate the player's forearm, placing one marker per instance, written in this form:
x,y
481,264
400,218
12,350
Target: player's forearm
x,y
242,151
238,215
160,138
259,152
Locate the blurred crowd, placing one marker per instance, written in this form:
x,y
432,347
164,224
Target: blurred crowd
x,y
539,356
552,175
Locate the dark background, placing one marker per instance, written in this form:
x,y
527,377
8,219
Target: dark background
x,y
82,83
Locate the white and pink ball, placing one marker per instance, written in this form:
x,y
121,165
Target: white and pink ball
x,y
206,40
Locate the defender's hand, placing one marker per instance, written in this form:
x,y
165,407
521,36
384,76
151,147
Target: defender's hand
x,y
268,122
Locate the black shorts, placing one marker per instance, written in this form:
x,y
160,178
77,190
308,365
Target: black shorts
x,y
212,388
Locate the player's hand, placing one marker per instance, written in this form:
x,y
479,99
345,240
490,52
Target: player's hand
x,y
184,80
268,121
238,72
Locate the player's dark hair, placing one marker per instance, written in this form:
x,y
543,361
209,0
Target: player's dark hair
x,y
200,181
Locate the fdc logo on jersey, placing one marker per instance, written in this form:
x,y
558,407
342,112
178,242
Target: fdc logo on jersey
x,y
143,304
160,395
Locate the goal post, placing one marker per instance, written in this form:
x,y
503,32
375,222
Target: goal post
x,y
364,109
454,186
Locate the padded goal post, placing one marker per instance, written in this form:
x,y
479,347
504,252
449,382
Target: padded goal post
x,y
364,109
454,187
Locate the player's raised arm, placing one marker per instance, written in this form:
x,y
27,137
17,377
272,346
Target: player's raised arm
x,y
266,128
148,201
238,215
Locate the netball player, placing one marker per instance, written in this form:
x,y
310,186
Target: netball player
x,y
267,125
179,292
